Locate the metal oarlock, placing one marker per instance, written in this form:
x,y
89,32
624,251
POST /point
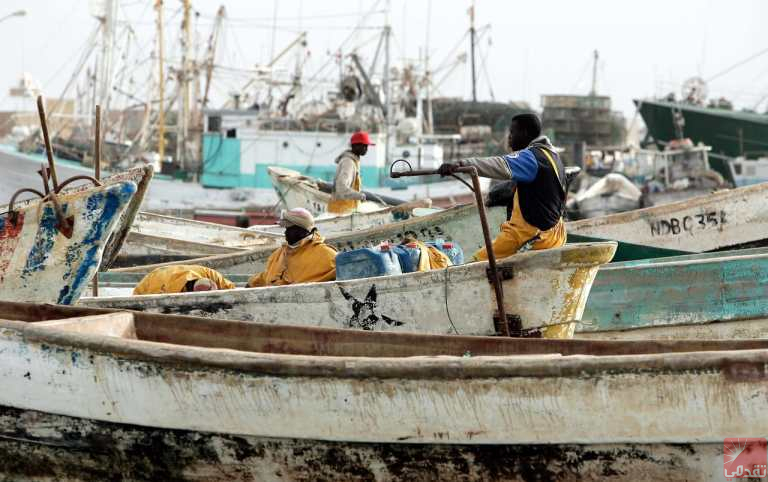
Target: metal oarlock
x,y
493,272
64,224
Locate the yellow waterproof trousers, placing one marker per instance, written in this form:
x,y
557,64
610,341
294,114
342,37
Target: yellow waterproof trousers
x,y
513,235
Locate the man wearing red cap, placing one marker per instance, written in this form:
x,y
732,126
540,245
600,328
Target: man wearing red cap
x,y
346,196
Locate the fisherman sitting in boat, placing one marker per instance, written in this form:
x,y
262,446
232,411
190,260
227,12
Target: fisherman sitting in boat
x,y
539,199
346,195
305,258
182,278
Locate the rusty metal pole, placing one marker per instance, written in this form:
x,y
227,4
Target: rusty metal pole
x,y
97,175
47,140
493,271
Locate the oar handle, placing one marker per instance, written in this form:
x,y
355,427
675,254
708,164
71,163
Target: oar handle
x,y
425,172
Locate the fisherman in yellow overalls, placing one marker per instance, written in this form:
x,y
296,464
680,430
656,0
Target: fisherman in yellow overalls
x,y
182,278
305,258
346,195
539,199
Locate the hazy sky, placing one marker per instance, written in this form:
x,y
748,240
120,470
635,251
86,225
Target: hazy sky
x,y
540,47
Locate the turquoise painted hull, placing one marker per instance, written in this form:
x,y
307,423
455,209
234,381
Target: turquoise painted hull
x,y
680,290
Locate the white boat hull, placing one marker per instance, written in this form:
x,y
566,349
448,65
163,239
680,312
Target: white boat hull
x,y
264,402
727,218
38,263
547,287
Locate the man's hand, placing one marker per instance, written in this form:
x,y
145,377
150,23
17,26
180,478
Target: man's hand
x,y
446,169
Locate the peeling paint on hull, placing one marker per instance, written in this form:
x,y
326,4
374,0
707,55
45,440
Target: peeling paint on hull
x,y
141,176
44,446
548,287
39,264
722,294
80,403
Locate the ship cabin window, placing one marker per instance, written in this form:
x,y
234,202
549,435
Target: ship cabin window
x,y
214,123
231,133
737,168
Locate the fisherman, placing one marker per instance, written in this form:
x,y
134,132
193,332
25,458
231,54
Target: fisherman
x,y
182,278
305,258
346,195
539,198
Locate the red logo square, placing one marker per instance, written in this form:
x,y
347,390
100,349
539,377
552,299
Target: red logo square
x,y
745,457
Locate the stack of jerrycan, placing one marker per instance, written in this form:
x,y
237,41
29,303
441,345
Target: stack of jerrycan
x,y
389,259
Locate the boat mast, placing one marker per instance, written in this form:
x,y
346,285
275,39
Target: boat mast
x,y
104,67
472,34
427,73
387,87
183,123
593,92
161,83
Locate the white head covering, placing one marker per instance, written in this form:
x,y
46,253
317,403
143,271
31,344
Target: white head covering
x,y
297,217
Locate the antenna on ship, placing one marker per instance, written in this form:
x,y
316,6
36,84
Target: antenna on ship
x,y
593,91
472,34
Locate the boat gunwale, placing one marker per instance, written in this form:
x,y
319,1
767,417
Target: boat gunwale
x,y
594,251
745,364
663,209
214,226
751,117
193,244
686,262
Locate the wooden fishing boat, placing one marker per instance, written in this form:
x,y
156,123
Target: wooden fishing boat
x,y
712,295
459,224
140,176
297,190
727,219
50,248
94,394
156,238
541,288
720,295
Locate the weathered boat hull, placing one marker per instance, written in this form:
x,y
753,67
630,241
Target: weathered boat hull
x,y
723,219
141,176
37,445
460,224
135,384
723,294
40,264
541,288
298,191
156,238
201,232
143,249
